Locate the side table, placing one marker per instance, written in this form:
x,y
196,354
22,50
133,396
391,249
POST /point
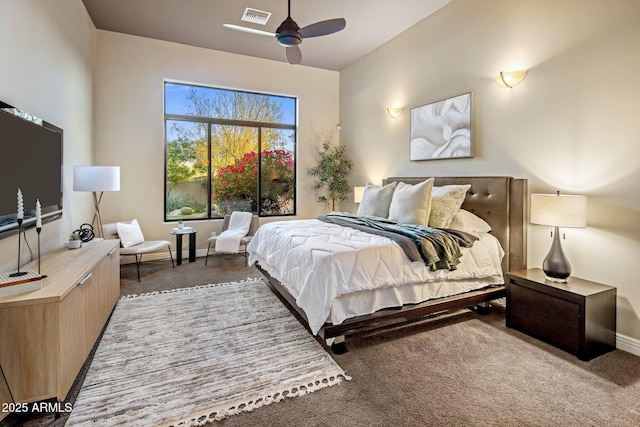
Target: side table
x,y
179,232
578,316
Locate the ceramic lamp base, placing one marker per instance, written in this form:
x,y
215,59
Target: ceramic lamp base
x,y
556,265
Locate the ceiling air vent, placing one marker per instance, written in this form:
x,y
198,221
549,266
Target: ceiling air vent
x,y
256,16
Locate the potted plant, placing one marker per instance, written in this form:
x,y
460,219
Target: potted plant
x,y
331,174
74,241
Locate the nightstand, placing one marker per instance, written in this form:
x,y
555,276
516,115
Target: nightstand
x,y
578,316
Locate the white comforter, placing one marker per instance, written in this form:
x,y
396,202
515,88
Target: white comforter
x,y
318,262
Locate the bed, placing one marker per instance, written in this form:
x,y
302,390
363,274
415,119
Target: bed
x,y
330,313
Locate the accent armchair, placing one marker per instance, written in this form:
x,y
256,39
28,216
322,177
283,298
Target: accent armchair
x,y
243,242
110,231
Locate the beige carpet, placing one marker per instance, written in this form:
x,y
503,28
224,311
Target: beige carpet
x,y
188,356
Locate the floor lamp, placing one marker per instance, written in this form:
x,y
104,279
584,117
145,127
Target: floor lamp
x,y
96,179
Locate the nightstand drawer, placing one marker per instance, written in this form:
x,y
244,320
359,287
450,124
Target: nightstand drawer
x,y
537,304
555,333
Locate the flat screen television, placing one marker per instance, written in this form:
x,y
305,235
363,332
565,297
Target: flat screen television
x,y
32,162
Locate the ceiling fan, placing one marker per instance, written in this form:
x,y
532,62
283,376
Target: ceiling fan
x,y
290,35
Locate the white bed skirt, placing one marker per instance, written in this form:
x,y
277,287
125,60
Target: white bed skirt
x,y
366,302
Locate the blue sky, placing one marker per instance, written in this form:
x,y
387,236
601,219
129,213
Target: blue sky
x,y
176,100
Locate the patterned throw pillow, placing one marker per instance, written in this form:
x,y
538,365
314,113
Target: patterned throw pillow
x,y
445,204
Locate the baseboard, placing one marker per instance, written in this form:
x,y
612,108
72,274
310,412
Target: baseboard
x,y
161,256
628,344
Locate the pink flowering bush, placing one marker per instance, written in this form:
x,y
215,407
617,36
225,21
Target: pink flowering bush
x,y
235,186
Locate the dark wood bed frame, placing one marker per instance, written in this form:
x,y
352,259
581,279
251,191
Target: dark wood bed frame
x,y
499,200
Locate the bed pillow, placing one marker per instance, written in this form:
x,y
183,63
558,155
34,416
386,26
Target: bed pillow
x,y
129,234
466,221
411,204
376,200
445,204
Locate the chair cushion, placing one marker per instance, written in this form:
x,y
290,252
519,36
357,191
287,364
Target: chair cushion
x,y
130,234
145,247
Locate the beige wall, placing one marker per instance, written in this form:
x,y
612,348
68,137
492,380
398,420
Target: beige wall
x,y
129,131
47,50
571,125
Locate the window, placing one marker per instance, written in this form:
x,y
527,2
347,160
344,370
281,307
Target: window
x,y
228,150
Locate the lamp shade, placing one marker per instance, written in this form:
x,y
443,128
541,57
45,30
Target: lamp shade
x,y
510,79
394,112
357,194
96,178
559,210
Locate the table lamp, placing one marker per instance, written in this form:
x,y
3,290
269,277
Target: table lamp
x,y
557,211
357,194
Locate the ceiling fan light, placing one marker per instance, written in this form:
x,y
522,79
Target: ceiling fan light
x,y
287,33
288,40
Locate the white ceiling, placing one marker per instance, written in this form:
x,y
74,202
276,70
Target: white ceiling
x,y
370,23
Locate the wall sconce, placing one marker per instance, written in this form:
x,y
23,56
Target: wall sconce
x,y
394,112
510,79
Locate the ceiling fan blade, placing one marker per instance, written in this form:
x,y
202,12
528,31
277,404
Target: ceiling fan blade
x,y
323,28
249,30
294,55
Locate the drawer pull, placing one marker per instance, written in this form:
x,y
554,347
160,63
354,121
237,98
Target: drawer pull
x,y
111,251
85,278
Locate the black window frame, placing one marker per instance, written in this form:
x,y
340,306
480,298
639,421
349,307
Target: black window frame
x,y
209,121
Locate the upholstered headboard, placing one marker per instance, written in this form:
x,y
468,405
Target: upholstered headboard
x,y
499,200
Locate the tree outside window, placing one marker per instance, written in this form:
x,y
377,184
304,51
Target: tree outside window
x,y
227,151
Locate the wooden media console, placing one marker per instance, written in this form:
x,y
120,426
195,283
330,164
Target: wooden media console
x,y
46,335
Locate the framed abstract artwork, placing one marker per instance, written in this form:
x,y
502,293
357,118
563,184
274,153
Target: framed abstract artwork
x,y
442,130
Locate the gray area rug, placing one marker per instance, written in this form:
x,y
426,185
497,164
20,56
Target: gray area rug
x,y
188,356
